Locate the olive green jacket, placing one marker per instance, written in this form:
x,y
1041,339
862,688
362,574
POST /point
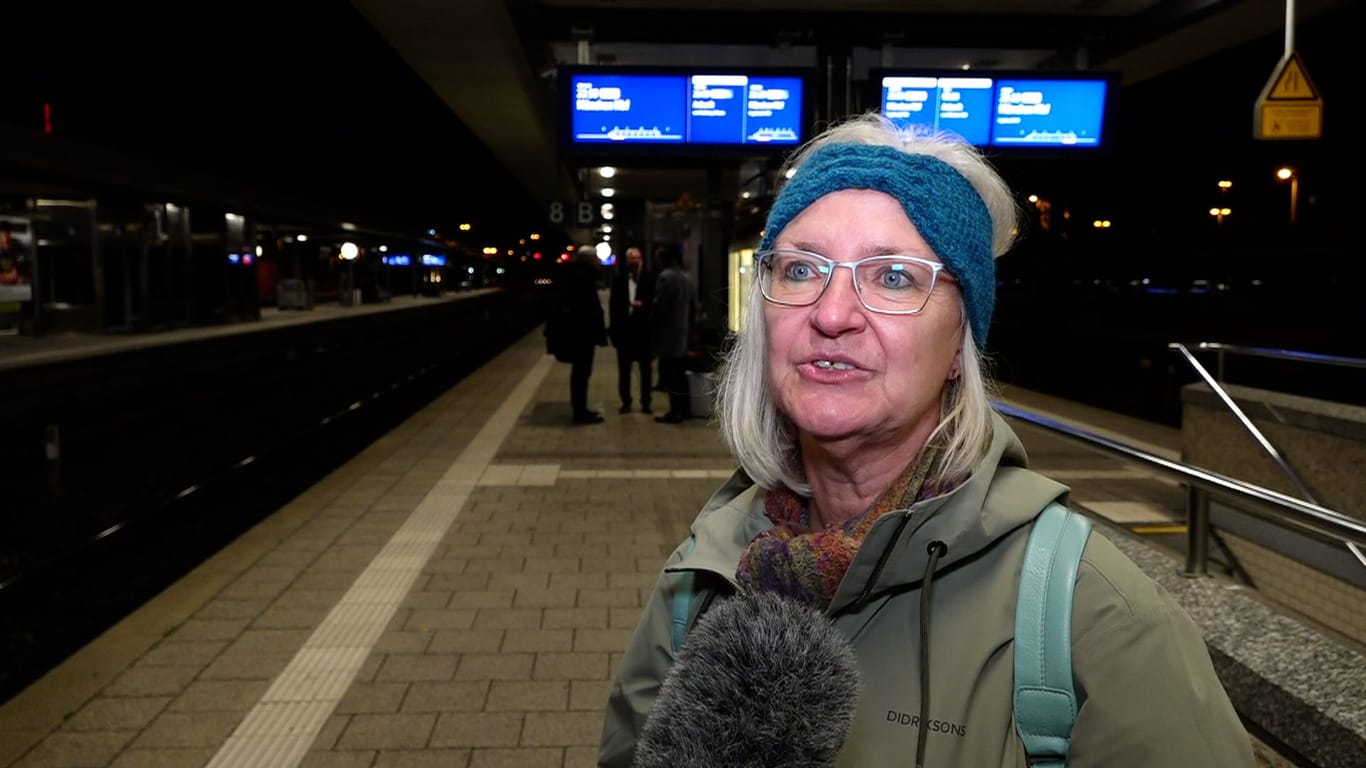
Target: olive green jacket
x,y
1148,694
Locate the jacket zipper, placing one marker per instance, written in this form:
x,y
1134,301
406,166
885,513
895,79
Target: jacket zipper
x,y
882,561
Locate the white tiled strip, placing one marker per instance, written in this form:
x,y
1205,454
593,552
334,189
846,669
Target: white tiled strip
x,y
548,474
280,728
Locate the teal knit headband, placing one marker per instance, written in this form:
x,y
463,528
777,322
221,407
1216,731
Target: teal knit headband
x,y
942,205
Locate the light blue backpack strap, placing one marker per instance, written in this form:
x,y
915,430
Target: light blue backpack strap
x,y
1045,702
684,591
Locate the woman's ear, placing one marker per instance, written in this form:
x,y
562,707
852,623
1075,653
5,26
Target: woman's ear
x,y
956,370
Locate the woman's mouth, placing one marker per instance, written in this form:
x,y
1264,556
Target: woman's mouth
x,y
832,365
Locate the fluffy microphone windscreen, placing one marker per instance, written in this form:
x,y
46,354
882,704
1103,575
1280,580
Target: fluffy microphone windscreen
x,y
760,681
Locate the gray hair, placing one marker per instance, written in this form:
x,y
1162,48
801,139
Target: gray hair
x,y
763,439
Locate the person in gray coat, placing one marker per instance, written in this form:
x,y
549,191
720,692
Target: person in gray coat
x,y
669,323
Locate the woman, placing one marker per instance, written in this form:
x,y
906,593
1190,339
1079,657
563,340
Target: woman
x,y
873,465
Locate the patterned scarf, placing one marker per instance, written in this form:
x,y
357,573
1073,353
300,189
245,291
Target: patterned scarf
x,y
794,561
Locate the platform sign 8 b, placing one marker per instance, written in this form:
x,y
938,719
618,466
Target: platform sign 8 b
x,y
579,213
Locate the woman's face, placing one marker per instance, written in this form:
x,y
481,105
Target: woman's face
x,y
888,371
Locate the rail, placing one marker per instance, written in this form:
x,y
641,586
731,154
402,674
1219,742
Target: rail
x,y
1273,506
1223,350
1251,428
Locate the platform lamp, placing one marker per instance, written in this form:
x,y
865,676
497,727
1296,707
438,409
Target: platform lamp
x,y
348,253
1286,173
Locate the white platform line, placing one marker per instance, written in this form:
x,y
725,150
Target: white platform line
x,y
278,731
549,474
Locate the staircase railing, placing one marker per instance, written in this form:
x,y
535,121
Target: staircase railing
x,y
1272,506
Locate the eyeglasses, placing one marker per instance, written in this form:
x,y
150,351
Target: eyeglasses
x,y
891,285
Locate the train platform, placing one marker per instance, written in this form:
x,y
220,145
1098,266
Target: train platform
x,y
460,592
18,351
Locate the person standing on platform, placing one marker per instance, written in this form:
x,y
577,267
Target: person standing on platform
x,y
629,306
585,330
669,317
879,487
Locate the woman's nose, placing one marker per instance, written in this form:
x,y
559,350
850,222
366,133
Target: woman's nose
x,y
839,309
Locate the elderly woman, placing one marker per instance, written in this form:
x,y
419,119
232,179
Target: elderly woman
x,y
879,486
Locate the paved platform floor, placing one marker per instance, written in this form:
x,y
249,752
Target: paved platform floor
x,y
456,595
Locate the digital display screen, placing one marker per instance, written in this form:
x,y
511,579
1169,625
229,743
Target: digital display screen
x,y
1049,112
958,104
679,108
397,260
1016,110
433,260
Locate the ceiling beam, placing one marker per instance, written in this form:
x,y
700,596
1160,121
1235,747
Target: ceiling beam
x,y
471,55
1211,33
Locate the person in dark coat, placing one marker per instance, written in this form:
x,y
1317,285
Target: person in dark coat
x,y
629,306
585,329
669,318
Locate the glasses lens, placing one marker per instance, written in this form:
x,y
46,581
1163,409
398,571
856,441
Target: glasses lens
x,y
790,277
895,283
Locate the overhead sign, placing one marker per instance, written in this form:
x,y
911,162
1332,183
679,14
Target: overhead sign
x,y
699,111
1289,106
573,213
1016,109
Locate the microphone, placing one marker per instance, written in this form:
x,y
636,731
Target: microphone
x,y
762,681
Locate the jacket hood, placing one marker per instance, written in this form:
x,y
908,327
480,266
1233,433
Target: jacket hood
x,y
1001,495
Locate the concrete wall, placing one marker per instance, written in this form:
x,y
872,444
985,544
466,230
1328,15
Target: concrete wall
x,y
1325,443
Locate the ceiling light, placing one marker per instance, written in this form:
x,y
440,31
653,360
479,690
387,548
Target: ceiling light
x,y
608,191
607,171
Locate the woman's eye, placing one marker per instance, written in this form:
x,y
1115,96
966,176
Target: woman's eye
x,y
895,279
800,271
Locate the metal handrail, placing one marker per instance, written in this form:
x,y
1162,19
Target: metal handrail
x,y
1221,350
1246,422
1274,506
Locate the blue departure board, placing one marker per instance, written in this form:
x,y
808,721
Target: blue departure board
x,y
1049,112
640,109
743,109
958,104
1001,109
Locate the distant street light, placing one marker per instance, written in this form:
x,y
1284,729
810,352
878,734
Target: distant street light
x,y
1288,173
1219,214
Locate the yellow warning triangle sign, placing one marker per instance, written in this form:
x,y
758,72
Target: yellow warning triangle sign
x,y
1290,82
